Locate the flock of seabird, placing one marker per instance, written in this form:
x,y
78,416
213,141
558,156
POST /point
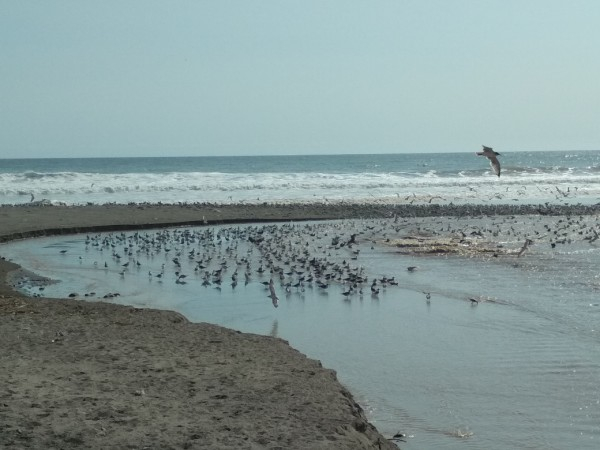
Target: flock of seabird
x,y
289,258
285,258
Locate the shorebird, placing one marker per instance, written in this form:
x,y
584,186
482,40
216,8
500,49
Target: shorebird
x,y
273,294
490,154
398,437
526,245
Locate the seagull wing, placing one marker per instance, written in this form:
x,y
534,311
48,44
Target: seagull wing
x,y
495,164
487,152
490,154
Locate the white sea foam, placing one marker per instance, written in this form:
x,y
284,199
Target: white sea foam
x,y
81,188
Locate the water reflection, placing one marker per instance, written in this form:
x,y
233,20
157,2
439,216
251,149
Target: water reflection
x,y
274,329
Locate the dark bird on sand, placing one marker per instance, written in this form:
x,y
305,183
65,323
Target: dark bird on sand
x,y
490,154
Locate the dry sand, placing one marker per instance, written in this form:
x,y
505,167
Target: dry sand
x,y
94,375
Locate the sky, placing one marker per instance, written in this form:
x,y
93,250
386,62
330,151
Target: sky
x,y
200,78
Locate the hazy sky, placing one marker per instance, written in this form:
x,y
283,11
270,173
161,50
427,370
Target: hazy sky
x,y
167,78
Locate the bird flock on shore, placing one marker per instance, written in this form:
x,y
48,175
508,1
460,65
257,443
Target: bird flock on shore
x,y
285,258
289,258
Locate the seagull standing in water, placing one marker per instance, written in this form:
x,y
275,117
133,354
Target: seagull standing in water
x,y
273,294
490,154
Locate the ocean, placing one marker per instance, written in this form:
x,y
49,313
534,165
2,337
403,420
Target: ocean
x,y
516,367
533,177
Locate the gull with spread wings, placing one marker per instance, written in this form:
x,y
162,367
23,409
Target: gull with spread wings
x,y
490,154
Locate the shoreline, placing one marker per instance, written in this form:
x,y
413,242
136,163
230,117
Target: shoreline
x,y
26,221
96,375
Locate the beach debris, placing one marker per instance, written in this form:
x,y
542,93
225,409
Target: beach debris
x,y
460,433
490,154
399,436
425,245
58,336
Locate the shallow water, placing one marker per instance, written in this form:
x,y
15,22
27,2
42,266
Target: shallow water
x,y
519,369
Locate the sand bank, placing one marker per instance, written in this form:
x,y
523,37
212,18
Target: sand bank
x,y
95,375
24,221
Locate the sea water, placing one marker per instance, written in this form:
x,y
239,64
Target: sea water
x,y
532,177
518,369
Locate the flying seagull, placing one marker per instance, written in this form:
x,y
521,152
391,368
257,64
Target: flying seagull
x,y
491,155
527,243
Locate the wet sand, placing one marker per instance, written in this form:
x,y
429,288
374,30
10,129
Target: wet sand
x,y
22,221
96,375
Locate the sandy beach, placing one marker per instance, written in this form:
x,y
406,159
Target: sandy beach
x,y
95,375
